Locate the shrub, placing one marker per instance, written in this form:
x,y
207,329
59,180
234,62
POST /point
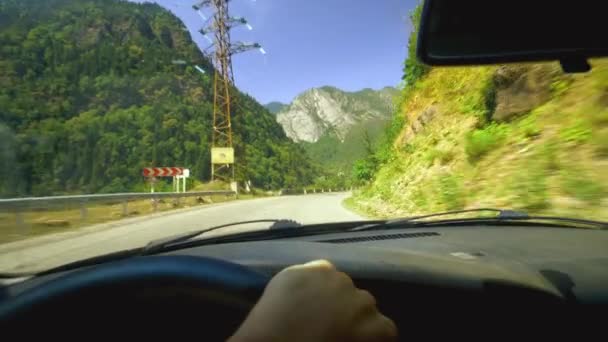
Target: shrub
x,y
489,95
480,102
414,70
444,156
419,199
480,142
472,103
385,152
408,148
431,155
364,170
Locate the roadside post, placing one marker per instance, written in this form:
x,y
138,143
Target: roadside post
x,y
153,172
125,208
20,222
184,177
234,186
84,213
154,204
180,184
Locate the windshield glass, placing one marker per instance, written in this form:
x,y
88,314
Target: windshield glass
x,y
123,122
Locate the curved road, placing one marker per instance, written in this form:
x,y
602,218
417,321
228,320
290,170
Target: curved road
x,y
49,251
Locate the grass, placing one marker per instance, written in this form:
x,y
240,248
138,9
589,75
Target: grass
x,y
444,156
482,141
600,141
42,222
577,133
549,154
559,87
529,127
211,186
420,198
578,184
599,116
451,191
530,190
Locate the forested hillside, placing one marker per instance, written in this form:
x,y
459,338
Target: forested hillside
x,y
275,107
91,91
524,136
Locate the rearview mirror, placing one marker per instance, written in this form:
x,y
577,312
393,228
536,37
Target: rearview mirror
x,y
468,32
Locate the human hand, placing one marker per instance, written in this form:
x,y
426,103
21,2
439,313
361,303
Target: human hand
x,y
315,302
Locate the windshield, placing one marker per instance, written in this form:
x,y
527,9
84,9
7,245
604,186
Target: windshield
x,y
123,122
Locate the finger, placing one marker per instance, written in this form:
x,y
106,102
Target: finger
x,y
367,299
377,328
344,280
320,264
317,264
390,328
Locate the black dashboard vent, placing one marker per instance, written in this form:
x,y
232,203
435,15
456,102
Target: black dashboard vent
x,y
381,237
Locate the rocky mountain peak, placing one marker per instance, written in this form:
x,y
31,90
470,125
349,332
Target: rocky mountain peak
x,y
328,110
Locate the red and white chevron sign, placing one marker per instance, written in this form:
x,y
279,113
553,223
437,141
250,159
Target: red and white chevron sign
x,y
163,171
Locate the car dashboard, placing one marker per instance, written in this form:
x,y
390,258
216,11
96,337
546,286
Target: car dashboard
x,y
568,263
495,276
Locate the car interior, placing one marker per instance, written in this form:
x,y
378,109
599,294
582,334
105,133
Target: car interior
x,y
482,280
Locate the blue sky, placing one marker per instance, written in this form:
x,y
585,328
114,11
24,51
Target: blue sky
x,y
349,44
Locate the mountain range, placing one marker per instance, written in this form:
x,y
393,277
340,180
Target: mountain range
x,y
331,111
336,127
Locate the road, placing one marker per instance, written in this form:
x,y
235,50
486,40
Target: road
x,y
49,251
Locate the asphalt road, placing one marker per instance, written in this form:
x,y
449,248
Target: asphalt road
x,y
53,250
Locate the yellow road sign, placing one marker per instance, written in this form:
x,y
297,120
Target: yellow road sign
x,y
222,155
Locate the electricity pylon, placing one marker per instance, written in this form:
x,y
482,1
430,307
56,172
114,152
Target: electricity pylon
x,y
222,150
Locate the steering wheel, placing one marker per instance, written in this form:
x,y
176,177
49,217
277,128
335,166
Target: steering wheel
x,y
152,292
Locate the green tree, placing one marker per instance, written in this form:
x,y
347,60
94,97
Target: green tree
x,y
414,69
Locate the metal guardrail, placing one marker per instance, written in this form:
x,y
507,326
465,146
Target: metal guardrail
x,y
47,202
308,191
21,205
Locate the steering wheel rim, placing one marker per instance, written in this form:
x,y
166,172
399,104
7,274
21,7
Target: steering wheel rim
x,y
232,284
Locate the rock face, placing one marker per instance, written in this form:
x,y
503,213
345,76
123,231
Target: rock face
x,y
520,88
417,125
328,110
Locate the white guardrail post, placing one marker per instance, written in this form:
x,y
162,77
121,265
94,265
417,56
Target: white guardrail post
x,y
125,208
83,210
19,221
